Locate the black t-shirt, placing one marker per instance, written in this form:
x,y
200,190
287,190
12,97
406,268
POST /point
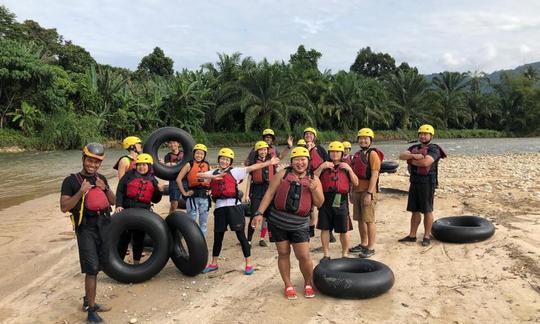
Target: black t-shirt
x,y
70,186
433,151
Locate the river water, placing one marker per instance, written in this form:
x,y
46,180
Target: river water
x,y
28,175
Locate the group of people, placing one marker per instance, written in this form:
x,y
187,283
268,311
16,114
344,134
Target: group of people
x,y
314,190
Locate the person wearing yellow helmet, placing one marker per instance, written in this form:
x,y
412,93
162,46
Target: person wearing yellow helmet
x,y
137,189
86,195
347,148
197,195
292,193
422,160
317,153
366,164
229,211
133,145
336,178
269,137
257,186
301,142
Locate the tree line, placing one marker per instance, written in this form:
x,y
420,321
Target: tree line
x,y
53,89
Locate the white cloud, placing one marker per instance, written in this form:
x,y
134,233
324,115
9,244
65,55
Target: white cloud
x,y
524,49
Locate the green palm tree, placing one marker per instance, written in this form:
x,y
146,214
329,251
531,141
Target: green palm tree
x,y
407,93
268,97
450,89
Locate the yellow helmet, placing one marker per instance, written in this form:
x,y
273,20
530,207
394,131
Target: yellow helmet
x,y
201,147
144,158
347,145
336,146
311,130
226,152
259,145
268,131
366,132
301,142
426,129
130,141
299,151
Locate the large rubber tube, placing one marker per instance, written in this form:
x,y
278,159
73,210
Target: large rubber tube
x,y
189,251
154,226
389,166
353,278
462,229
162,135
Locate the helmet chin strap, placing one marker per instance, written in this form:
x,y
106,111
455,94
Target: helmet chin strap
x,y
425,142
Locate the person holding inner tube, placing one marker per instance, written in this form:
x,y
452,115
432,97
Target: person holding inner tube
x,y
269,137
292,193
366,164
87,196
336,178
422,160
198,198
137,189
257,186
126,163
172,158
317,155
229,210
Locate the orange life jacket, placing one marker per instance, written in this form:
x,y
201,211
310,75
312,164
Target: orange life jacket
x,y
132,163
193,181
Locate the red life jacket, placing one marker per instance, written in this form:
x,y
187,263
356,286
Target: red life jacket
x,y
423,171
95,199
193,181
263,175
174,158
335,180
315,158
225,187
140,189
293,194
347,158
361,165
132,163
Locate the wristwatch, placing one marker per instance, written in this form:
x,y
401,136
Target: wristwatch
x,y
370,193
257,213
107,188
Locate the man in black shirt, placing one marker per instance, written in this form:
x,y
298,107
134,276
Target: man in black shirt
x,y
86,195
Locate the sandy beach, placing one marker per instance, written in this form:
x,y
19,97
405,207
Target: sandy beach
x,y
494,281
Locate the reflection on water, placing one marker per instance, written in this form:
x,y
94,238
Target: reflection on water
x,y
29,175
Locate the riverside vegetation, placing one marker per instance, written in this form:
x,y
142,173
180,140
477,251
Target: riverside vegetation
x,y
54,95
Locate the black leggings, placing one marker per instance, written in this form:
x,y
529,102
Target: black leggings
x,y
137,244
218,242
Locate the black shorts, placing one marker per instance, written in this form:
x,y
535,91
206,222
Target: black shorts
x,y
232,216
334,219
90,243
279,235
421,197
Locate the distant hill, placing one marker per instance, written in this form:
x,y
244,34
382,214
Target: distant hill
x,y
495,76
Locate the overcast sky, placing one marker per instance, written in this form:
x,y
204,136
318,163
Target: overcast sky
x,y
431,35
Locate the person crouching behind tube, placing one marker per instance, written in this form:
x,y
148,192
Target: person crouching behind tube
x,y
292,193
229,210
137,189
336,178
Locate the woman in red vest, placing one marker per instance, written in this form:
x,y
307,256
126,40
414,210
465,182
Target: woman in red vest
x,y
292,193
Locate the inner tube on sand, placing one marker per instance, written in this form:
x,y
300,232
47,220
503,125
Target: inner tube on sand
x,y
389,166
462,229
162,135
353,278
136,219
189,251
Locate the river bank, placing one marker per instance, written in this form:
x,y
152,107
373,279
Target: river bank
x,y
474,283
12,141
